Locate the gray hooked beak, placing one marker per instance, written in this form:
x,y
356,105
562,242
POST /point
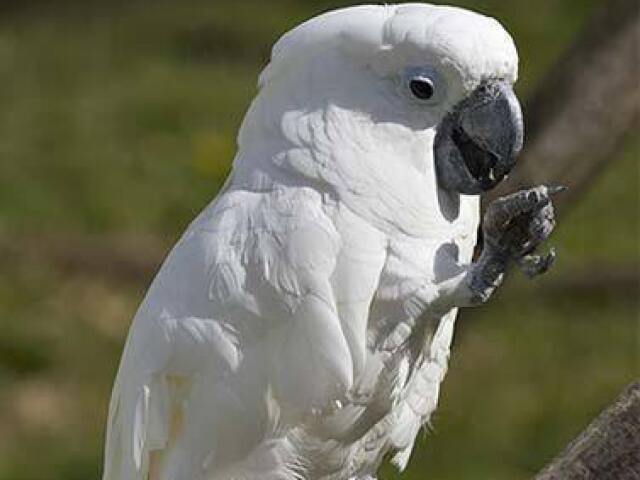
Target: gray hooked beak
x,y
476,144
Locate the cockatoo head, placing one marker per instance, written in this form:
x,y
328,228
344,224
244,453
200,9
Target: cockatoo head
x,y
373,98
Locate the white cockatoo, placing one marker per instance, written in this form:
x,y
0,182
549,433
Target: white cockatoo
x,y
300,328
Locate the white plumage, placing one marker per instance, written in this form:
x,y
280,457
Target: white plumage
x,y
301,326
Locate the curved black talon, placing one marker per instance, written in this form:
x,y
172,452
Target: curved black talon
x,y
554,189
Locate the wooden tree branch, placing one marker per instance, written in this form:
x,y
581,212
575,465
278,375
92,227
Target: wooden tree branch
x,y
609,449
582,111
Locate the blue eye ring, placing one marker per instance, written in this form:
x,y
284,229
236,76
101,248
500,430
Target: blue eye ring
x,y
423,84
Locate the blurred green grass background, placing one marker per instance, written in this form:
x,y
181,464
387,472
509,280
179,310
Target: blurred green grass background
x,y
118,122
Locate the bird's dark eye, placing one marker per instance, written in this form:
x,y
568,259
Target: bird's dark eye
x,y
421,88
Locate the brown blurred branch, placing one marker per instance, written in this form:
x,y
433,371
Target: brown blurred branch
x,y
614,280
134,259
588,103
115,257
609,449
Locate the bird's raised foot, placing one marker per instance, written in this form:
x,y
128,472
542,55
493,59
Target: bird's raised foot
x,y
515,225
